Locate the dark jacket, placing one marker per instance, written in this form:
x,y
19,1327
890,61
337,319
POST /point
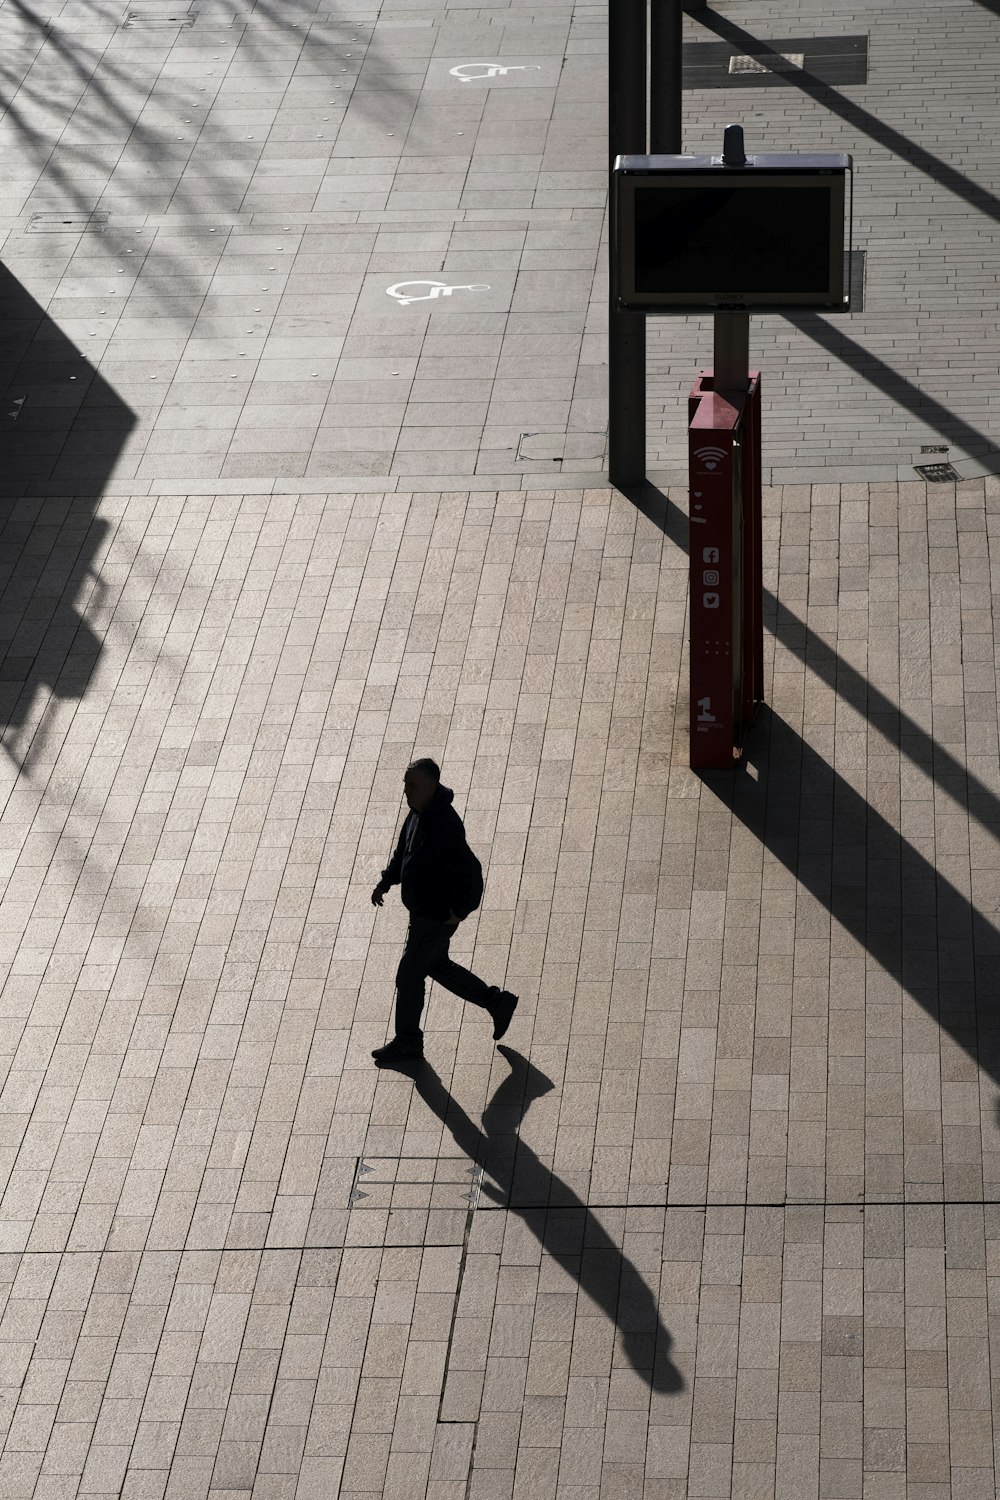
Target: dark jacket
x,y
430,865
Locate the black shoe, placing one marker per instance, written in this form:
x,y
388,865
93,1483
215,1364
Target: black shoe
x,y
397,1051
503,1008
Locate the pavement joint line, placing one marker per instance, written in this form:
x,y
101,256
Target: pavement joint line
x,y
590,1207
783,998
463,1261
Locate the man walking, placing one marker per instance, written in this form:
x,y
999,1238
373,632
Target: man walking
x,y
442,883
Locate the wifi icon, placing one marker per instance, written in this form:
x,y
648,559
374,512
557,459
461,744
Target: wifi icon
x,y
710,457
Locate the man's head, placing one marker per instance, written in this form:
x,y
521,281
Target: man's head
x,y
420,783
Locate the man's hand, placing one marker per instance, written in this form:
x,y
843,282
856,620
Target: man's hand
x,y
377,894
451,920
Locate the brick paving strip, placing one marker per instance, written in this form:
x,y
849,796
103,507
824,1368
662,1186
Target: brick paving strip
x,y
720,1218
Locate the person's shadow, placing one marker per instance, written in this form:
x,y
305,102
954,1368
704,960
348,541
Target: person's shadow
x,y
568,1232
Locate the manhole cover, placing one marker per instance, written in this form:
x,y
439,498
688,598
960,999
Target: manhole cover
x,y
770,62
136,19
938,473
93,223
555,447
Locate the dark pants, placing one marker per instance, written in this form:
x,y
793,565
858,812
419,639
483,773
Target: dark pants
x,y
426,957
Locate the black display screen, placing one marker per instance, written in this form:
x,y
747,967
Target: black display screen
x,y
750,240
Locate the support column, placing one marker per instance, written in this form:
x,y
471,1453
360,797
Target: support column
x,y
627,331
731,370
666,31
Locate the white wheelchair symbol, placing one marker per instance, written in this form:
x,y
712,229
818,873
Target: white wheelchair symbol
x,y
492,70
437,289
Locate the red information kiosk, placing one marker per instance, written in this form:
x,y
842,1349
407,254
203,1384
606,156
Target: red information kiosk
x,y
727,628
731,234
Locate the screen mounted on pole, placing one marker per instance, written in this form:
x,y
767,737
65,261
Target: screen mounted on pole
x,y
692,233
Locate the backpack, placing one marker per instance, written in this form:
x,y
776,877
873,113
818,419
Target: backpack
x,y
469,879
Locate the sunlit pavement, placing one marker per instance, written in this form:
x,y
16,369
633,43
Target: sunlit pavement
x,y
302,453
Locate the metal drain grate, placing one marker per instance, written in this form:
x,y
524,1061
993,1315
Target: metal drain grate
x,y
938,473
766,63
92,223
775,62
854,277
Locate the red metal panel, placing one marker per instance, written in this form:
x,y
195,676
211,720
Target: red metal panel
x,y
753,574
715,571
727,625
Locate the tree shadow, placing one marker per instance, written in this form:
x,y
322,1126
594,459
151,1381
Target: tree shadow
x,y
114,93
63,428
564,1225
144,129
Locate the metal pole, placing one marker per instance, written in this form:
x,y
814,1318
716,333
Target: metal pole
x,y
732,352
666,32
627,331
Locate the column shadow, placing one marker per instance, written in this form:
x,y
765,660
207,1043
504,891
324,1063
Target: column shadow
x,y
896,727
522,1184
918,926
933,938
906,393
974,193
62,428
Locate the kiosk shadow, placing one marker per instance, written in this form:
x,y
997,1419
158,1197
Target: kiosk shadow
x,y
918,926
62,429
931,937
570,1233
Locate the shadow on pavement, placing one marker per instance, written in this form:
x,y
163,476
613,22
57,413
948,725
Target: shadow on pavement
x,y
102,85
923,931
570,1233
62,428
897,728
929,936
861,362
860,119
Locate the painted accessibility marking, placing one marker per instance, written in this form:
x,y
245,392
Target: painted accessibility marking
x,y
492,70
437,289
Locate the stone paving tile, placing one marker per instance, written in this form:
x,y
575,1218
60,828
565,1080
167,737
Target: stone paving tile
x,y
789,1351
859,396
719,1217
734,1216
271,173
350,129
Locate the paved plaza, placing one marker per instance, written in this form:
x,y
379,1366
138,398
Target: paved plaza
x,y
720,1216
